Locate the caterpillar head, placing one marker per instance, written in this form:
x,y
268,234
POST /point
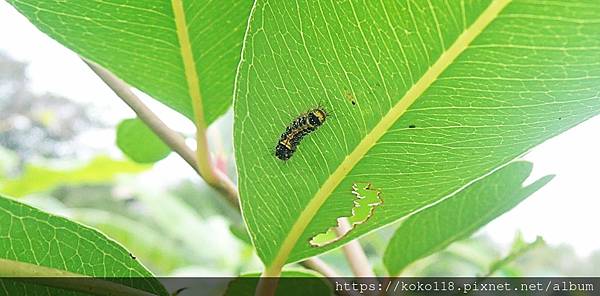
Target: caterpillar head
x,y
316,117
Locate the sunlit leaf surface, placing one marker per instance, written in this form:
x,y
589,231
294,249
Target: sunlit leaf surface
x,y
423,97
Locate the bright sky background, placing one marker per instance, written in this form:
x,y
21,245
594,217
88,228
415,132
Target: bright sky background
x,y
564,211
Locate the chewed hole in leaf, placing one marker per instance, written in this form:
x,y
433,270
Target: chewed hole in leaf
x,y
366,199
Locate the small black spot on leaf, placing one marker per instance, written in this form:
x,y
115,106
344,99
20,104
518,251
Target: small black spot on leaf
x,y
350,97
412,126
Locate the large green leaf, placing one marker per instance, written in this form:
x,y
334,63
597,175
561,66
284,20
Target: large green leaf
x,y
48,245
459,216
140,42
423,98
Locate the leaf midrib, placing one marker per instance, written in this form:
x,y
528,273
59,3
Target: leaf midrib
x,y
193,84
187,56
62,279
315,203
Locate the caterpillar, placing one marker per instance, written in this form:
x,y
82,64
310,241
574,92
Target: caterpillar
x,y
300,127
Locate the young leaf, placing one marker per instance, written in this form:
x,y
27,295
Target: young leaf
x,y
141,42
139,143
422,98
49,245
518,249
459,216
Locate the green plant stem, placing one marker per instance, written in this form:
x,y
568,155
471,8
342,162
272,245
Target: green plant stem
x,y
170,137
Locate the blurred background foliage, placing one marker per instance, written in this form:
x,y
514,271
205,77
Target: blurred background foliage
x,y
184,228
38,125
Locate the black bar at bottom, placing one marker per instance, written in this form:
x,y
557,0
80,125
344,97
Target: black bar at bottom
x,y
241,286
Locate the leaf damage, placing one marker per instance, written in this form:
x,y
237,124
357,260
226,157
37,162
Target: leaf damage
x,y
366,199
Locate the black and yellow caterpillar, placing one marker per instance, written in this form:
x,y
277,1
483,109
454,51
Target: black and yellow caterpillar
x,y
300,127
